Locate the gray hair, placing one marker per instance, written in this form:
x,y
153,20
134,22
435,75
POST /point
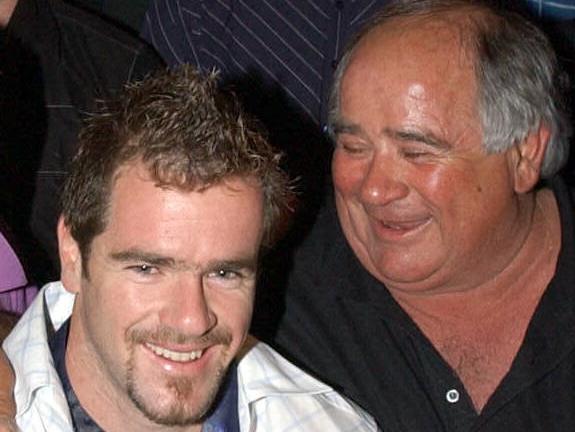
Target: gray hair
x,y
520,83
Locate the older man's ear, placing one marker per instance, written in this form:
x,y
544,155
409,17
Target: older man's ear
x,y
528,157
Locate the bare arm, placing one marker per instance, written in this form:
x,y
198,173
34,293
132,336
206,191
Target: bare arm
x,y
7,406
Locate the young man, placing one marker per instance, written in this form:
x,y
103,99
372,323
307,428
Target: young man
x,y
165,212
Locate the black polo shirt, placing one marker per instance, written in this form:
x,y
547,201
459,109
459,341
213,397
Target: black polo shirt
x,y
343,325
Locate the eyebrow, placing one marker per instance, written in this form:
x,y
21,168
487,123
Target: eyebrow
x,y
427,138
342,126
247,264
135,255
132,255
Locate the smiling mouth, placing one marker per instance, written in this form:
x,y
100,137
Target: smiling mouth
x,y
402,228
176,356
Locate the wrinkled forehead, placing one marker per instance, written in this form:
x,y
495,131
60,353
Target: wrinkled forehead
x,y
428,48
411,72
434,46
458,26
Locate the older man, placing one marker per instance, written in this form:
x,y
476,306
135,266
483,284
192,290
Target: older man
x,y
440,296
164,214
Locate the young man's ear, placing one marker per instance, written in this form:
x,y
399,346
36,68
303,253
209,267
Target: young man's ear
x,y
70,259
528,158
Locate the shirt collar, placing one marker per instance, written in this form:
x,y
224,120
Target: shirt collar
x,y
27,348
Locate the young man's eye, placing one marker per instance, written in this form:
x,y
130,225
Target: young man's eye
x,y
226,274
226,278
143,269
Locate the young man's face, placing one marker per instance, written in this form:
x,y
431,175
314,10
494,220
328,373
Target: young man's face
x,y
167,300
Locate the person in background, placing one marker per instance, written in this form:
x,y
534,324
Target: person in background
x,y
16,293
170,201
126,13
55,61
291,46
557,18
551,9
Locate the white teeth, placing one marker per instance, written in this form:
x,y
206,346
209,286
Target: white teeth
x,y
402,226
393,227
175,355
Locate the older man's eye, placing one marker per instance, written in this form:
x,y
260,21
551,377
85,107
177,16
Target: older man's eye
x,y
419,152
414,154
351,147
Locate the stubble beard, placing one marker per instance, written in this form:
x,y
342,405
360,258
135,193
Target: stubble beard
x,y
180,412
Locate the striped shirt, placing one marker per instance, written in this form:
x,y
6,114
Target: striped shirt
x,y
291,43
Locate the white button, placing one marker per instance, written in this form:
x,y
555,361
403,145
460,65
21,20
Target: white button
x,y
452,396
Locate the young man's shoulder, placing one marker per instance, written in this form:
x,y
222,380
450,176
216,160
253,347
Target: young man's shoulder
x,y
281,395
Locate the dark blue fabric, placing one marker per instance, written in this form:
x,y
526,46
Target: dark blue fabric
x,y
555,9
291,47
224,417
80,419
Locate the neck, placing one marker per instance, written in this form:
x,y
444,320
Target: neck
x,y
6,9
471,328
504,264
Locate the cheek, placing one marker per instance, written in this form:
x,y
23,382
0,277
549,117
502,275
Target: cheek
x,y
233,309
105,338
243,314
347,174
124,306
462,199
113,327
442,184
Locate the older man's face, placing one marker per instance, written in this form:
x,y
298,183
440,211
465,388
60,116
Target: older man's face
x,y
420,202
169,296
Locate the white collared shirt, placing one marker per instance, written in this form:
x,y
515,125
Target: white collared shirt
x,y
273,394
